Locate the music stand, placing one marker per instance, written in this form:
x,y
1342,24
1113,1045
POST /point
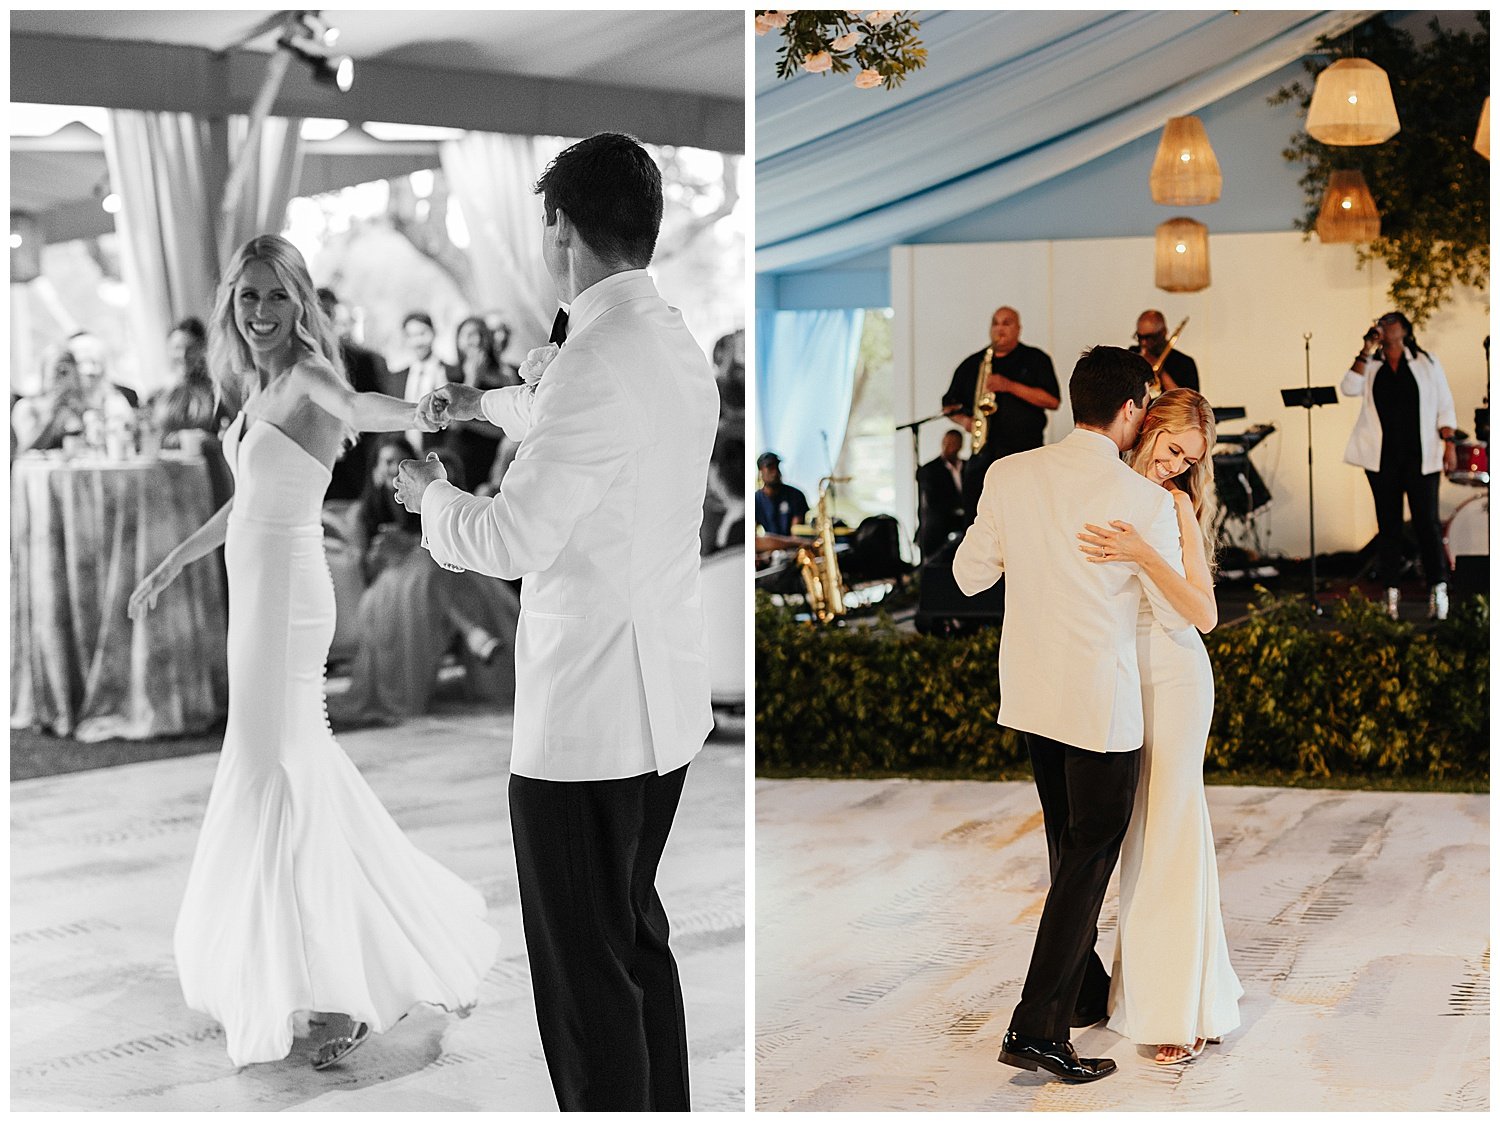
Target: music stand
x,y
1309,397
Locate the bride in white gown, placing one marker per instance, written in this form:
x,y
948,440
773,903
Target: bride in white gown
x,y
1172,980
305,900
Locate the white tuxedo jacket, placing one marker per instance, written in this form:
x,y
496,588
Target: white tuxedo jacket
x,y
599,515
1067,646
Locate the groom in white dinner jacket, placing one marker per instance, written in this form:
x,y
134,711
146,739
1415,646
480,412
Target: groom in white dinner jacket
x,y
599,516
1069,682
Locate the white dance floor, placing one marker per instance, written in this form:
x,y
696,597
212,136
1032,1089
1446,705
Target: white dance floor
x,y
98,863
894,923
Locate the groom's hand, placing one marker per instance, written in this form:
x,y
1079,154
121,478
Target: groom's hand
x,y
413,477
453,402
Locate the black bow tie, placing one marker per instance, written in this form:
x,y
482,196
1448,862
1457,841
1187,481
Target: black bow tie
x,y
559,328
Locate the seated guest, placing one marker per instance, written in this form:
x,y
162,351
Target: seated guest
x,y
778,506
484,449
41,420
940,497
190,401
367,374
413,610
105,395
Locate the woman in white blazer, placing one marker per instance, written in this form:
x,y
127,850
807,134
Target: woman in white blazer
x,y
1404,440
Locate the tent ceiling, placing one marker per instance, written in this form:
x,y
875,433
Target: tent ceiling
x,y
668,77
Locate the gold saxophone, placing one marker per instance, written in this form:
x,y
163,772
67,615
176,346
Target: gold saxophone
x,y
821,579
984,403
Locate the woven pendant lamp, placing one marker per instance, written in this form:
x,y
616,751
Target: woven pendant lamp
x,y
1347,213
1181,255
1482,135
1352,104
1185,171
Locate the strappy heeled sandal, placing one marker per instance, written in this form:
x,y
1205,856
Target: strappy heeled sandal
x,y
332,1051
1186,1052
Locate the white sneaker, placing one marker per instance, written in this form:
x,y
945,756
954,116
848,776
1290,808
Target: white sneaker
x,y
1437,602
1393,603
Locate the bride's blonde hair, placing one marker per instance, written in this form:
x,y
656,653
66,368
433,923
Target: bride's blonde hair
x,y
1174,412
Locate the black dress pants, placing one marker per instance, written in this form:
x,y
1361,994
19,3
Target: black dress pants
x,y
608,999
1389,486
1087,799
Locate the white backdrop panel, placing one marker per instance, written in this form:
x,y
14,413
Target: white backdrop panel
x,y
1246,333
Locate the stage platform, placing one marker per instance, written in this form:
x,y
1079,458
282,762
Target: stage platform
x,y
895,920
98,863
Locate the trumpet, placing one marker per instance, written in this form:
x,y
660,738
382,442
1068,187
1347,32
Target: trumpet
x,y
821,579
984,403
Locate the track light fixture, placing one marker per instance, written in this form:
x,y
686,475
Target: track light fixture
x,y
308,36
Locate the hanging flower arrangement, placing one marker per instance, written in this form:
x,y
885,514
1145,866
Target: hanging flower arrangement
x,y
880,47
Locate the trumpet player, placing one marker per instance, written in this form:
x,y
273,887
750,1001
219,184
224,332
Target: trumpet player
x,y
1020,389
1177,371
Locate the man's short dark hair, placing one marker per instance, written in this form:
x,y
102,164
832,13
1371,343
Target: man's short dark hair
x,y
418,317
611,190
1104,380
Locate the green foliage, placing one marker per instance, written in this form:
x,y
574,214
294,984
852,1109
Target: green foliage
x,y
1432,188
887,41
1368,698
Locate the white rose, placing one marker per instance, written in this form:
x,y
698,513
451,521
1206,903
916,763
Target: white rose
x,y
869,79
777,20
847,40
537,360
880,16
818,63
762,25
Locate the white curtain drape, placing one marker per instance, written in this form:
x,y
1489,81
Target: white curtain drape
x,y
492,175
169,171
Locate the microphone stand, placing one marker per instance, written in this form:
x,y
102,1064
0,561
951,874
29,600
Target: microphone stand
x,y
1312,530
916,458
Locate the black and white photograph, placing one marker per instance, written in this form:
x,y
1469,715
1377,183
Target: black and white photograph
x,y
378,560
1122,560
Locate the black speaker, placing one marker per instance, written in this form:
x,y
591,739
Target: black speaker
x,y
1239,486
943,609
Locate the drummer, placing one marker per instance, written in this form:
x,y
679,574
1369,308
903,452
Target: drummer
x,y
1403,439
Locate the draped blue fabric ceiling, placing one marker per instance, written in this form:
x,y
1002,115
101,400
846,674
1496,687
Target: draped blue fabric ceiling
x,y
1009,100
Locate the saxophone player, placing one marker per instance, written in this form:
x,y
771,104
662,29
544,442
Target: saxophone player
x,y
1021,388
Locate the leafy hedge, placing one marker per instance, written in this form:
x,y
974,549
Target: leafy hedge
x,y
1367,697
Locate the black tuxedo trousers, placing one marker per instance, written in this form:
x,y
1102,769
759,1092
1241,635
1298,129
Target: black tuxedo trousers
x,y
608,999
1086,798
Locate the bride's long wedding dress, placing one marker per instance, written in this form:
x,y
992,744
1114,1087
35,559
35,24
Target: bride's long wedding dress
x,y
1172,982
304,894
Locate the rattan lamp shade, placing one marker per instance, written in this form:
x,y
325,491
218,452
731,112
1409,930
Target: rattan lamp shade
x,y
1181,255
1186,171
1347,213
1352,104
1482,136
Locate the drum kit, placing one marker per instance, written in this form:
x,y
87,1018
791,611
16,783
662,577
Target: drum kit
x,y
1466,534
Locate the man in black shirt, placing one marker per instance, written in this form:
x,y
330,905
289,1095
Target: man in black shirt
x,y
940,496
1178,371
778,506
1025,387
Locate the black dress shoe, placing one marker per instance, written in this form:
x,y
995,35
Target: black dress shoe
x,y
1056,1056
1085,1018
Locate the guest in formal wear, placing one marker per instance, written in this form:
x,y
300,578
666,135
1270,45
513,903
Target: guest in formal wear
x,y
599,515
1403,438
425,373
482,448
367,374
41,421
101,391
1024,387
191,401
1177,370
1085,753
940,496
414,612
778,505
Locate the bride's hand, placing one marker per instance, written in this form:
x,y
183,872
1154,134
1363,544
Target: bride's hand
x,y
143,599
1118,543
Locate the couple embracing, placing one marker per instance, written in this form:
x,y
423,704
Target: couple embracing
x,y
306,907
1102,671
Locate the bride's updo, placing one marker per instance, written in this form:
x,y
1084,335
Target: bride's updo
x,y
1180,411
230,361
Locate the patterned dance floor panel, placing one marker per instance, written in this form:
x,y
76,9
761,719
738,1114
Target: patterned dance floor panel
x,y
895,919
98,864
